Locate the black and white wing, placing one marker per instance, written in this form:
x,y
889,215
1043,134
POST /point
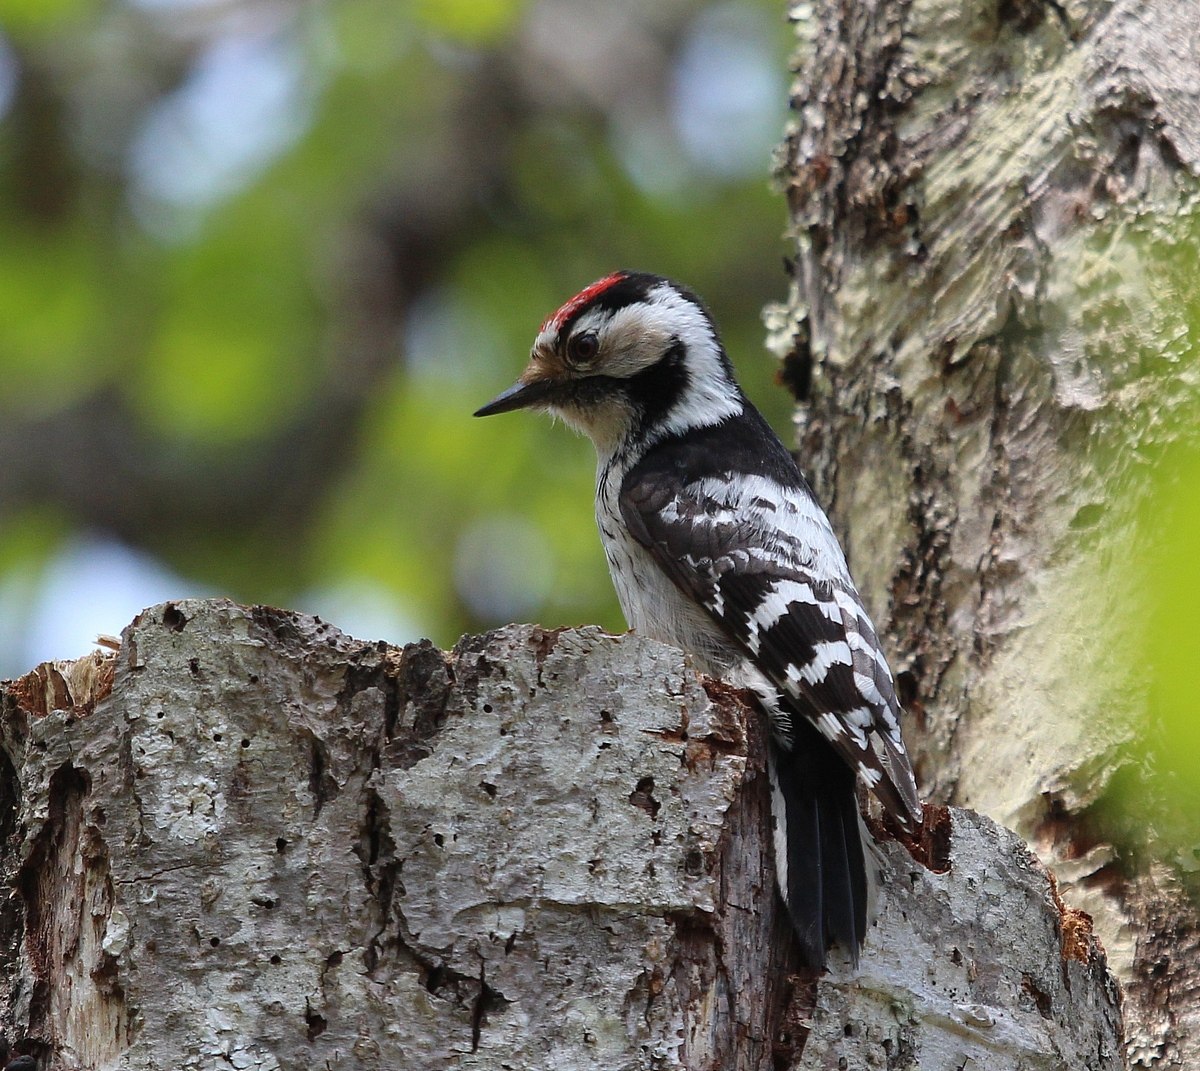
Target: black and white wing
x,y
758,553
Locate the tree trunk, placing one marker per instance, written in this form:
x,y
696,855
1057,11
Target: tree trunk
x,y
990,202
247,840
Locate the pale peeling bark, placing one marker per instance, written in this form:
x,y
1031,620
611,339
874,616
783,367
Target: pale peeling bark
x,y
985,198
248,840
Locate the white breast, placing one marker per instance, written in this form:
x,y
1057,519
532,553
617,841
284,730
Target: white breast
x,y
651,602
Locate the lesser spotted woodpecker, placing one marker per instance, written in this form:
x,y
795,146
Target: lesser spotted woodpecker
x,y
717,546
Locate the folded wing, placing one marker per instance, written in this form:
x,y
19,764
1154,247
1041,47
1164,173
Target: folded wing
x,y
762,560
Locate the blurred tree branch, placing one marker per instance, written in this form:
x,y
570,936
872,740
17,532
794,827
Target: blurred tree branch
x,y
445,179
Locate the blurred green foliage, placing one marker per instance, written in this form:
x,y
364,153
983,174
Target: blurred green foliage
x,y
259,263
1153,809
1173,632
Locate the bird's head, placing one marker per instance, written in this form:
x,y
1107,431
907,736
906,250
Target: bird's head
x,y
632,357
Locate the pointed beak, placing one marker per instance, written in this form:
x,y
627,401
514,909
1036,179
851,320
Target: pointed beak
x,y
519,396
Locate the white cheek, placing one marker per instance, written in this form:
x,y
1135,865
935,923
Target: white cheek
x,y
635,354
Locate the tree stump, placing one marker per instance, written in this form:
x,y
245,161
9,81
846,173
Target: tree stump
x,y
248,840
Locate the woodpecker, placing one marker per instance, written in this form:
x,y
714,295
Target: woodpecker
x,y
717,546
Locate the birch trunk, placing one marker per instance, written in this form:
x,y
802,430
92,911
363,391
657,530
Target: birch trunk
x,y
994,213
247,840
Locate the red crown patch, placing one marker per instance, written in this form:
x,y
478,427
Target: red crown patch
x,y
565,312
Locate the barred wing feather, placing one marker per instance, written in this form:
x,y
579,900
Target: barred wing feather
x,y
760,557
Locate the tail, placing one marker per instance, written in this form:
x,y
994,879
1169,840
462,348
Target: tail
x,y
819,861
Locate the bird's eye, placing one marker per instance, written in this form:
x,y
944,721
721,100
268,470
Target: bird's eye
x,y
582,349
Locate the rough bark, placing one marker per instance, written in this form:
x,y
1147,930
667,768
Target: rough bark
x,y
986,333
248,840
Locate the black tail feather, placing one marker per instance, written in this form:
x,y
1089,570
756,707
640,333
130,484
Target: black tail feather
x,y
818,847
